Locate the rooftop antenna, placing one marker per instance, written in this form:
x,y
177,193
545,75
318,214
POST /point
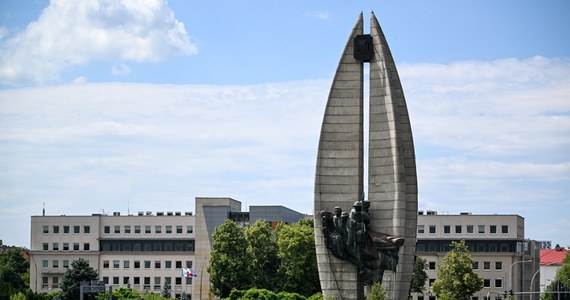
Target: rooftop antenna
x,y
44,210
128,207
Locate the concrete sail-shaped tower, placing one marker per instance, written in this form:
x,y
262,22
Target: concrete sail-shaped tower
x,y
392,181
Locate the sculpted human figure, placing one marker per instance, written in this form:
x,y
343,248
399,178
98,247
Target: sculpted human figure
x,y
349,237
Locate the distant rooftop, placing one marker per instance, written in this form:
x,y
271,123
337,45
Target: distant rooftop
x,y
552,257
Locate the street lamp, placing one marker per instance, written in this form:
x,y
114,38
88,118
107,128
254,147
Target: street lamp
x,y
531,286
511,271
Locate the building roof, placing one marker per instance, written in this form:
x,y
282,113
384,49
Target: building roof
x,y
552,257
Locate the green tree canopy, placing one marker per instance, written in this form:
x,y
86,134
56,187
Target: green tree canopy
x,y
377,292
262,248
229,260
70,283
456,279
298,269
419,275
14,273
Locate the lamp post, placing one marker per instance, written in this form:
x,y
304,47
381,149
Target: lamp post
x,y
531,286
511,271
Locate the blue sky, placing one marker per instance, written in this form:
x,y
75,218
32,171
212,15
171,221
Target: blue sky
x,y
144,105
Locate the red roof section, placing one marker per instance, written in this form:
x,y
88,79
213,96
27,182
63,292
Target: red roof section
x,y
552,257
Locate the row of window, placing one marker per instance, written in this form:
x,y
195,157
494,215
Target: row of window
x,y
486,282
126,281
66,246
128,229
472,246
486,265
145,264
66,229
421,297
468,229
147,246
55,263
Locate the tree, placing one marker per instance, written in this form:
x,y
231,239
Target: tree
x,y
298,269
166,290
79,271
262,248
456,279
229,260
14,270
419,275
377,292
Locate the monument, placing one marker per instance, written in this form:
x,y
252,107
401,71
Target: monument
x,y
362,238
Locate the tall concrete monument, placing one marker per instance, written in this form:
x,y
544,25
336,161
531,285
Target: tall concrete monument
x,y
362,238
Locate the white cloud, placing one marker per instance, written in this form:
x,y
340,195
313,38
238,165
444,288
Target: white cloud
x,y
78,32
120,69
496,142
319,15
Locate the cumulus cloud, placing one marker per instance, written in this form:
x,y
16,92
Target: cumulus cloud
x,y
491,137
78,32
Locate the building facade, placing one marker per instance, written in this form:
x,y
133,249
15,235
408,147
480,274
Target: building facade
x,y
145,251
503,257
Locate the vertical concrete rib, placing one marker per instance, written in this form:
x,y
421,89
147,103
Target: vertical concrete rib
x,y
339,173
392,182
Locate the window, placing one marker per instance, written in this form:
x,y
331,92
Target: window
x,y
147,229
493,228
189,264
66,263
126,280
168,229
126,264
147,283
107,229
188,280
498,283
431,265
76,246
157,283
504,228
86,229
457,228
65,229
45,246
431,281
137,264
421,229
189,229
178,264
55,246
136,280
55,263
157,229
498,265
116,264
66,246
486,265
469,228
105,280
115,280
76,229
446,229
486,283
117,229
86,246
431,228
178,280
127,228
168,264
157,247
45,229
55,284
105,264
147,264
55,228
178,228
157,264
137,229
481,229
476,265
44,282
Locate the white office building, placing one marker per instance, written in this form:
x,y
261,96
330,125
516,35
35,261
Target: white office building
x,y
503,257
